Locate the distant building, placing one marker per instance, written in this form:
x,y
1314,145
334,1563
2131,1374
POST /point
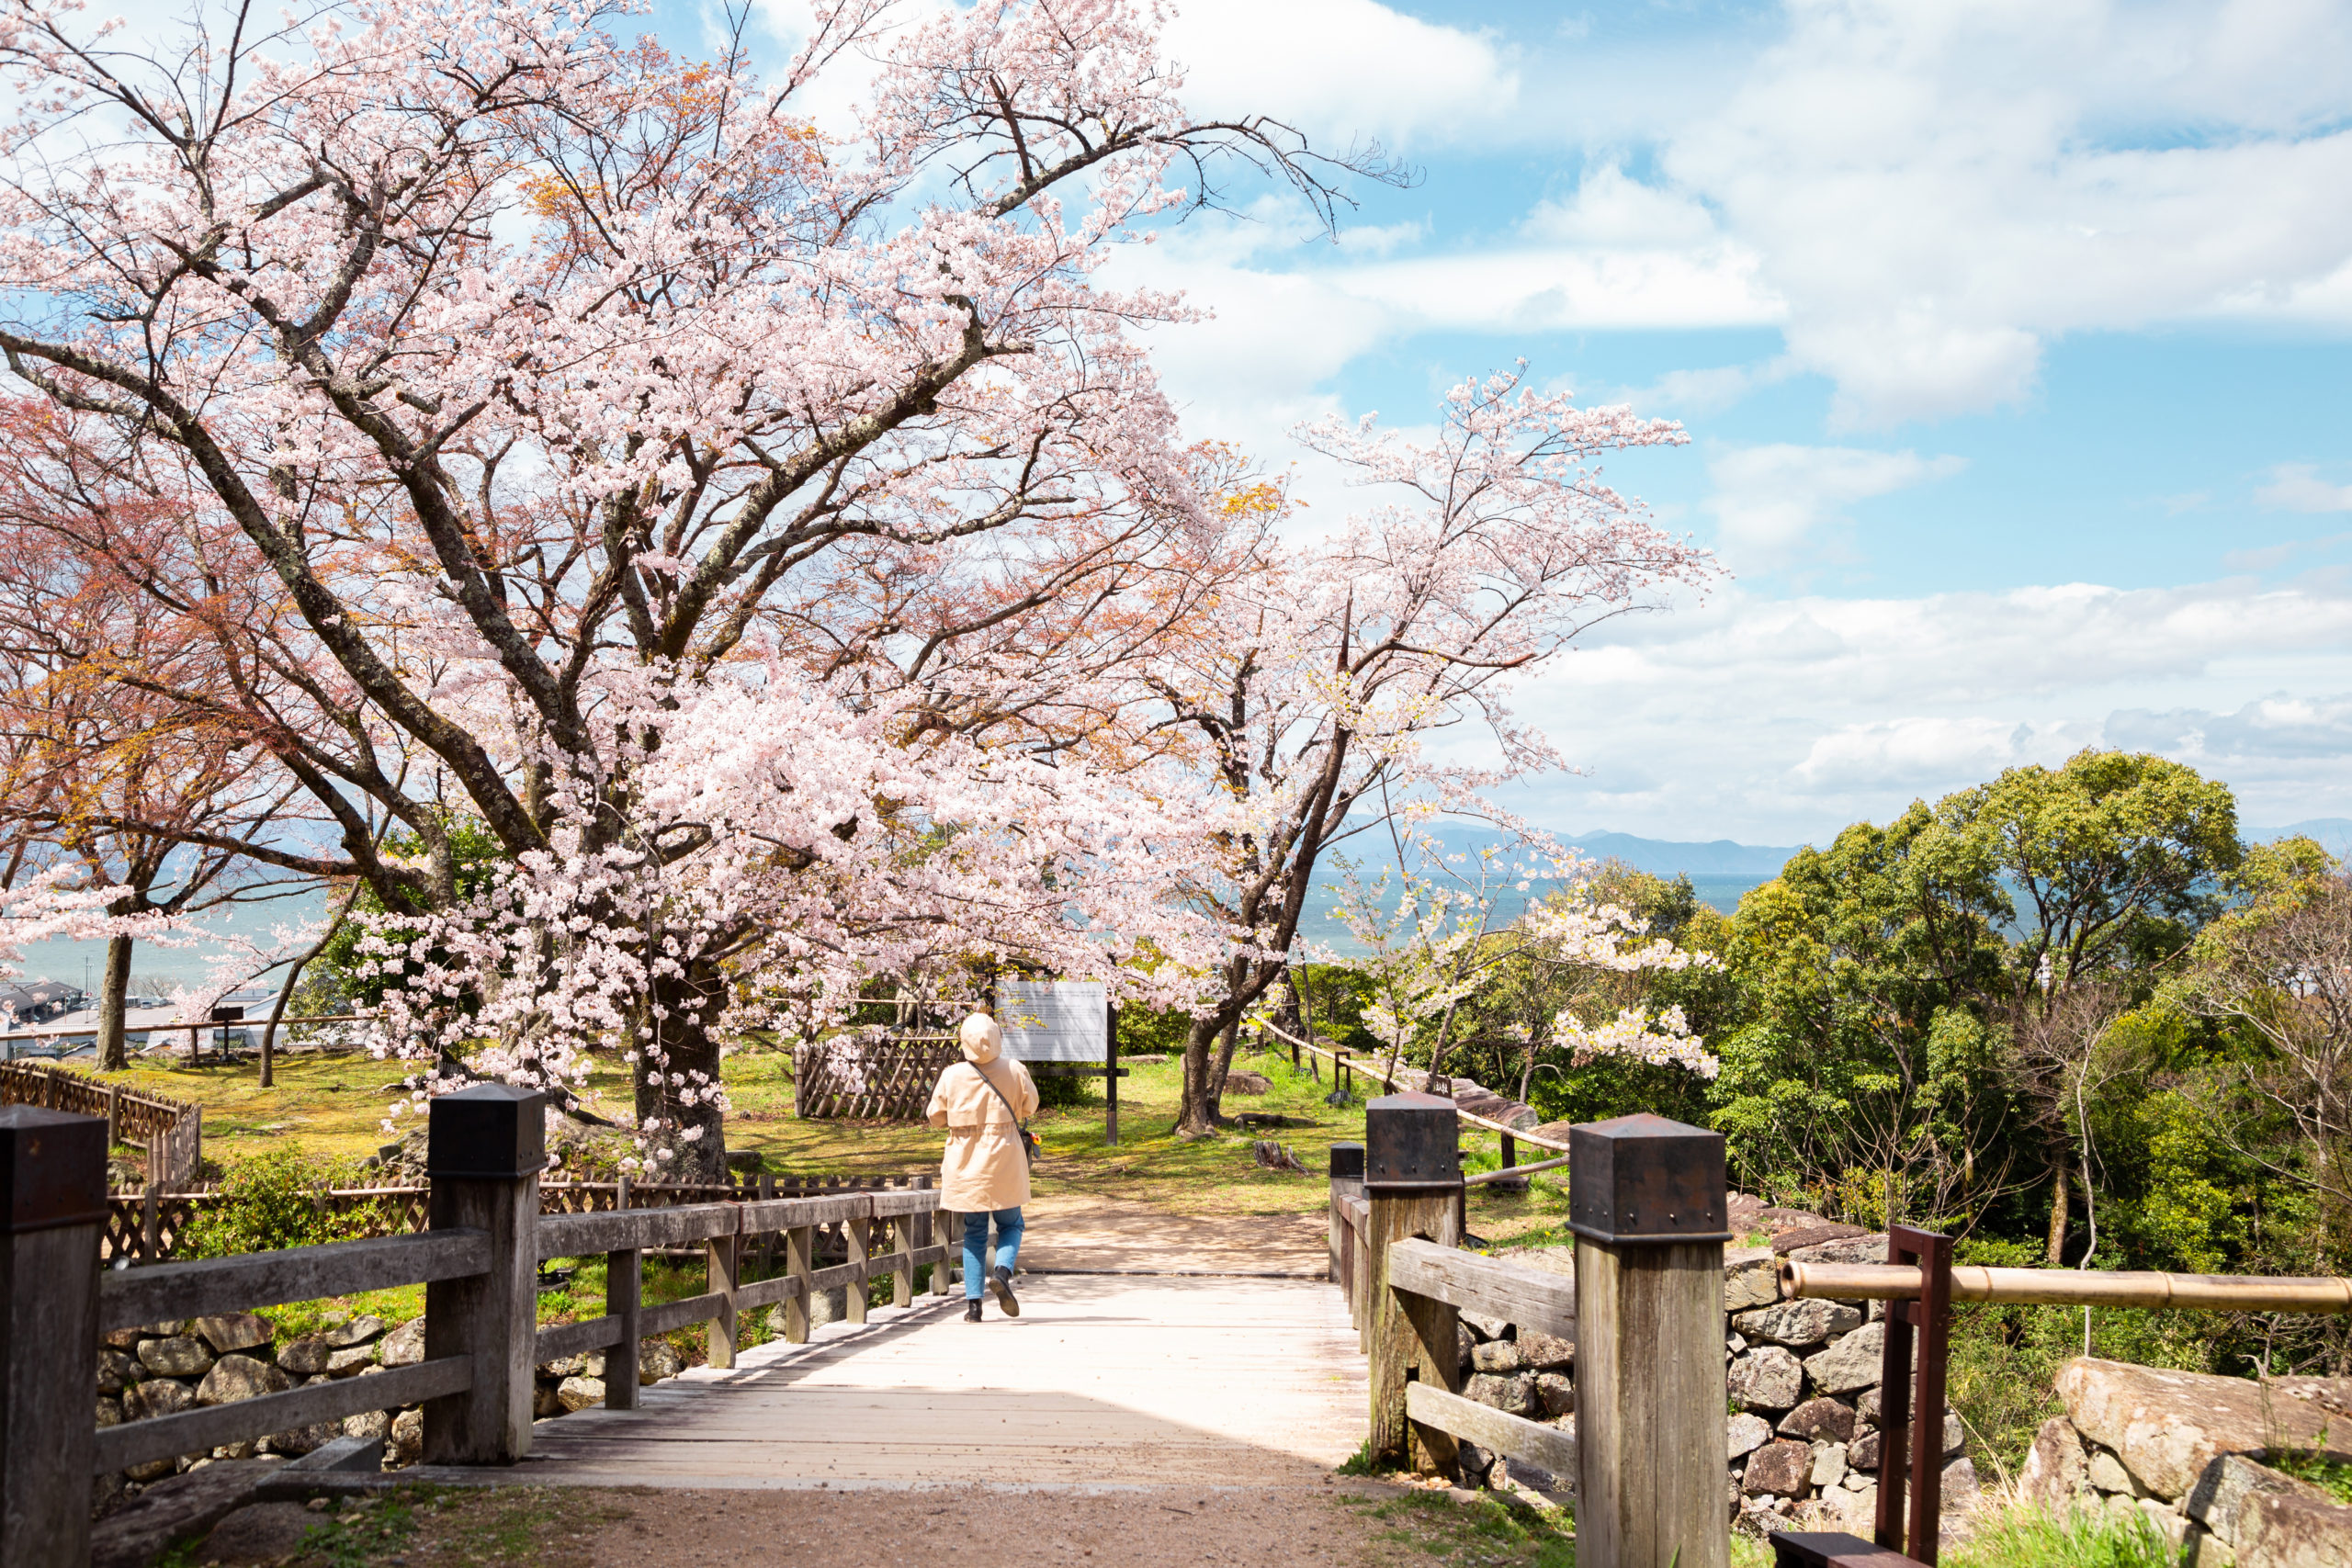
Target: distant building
x,y
38,1001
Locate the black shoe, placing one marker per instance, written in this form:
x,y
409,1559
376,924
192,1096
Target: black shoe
x,y
1001,1281
972,1310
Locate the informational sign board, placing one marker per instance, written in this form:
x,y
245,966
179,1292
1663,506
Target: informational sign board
x,y
1054,1021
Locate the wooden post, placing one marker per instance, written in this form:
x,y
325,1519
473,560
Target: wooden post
x,y
1929,1319
484,1149
767,1238
55,1192
799,1247
943,1273
1647,1203
1412,1174
1110,1074
1347,1181
151,1218
114,1114
719,1273
903,1272
859,1233
624,1299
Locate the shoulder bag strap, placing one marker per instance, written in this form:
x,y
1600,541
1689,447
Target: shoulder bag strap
x,y
1028,1143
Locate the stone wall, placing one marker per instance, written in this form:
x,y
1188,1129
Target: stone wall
x,y
1802,1439
2184,1451
162,1368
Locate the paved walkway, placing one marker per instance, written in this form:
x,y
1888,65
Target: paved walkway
x,y
1104,1380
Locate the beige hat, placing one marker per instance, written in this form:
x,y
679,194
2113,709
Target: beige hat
x,y
983,1041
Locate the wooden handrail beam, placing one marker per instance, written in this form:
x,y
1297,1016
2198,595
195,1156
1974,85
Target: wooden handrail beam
x,y
2071,1287
1490,1286
213,1285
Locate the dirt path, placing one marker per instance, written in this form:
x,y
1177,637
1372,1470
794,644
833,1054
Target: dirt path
x,y
1083,1233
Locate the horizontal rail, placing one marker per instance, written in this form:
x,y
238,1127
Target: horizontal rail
x,y
658,1320
896,1202
764,1215
922,1255
1513,1436
213,1285
202,1430
2070,1287
850,1273
91,1028
1512,1291
1509,1172
571,1338
767,1292
616,1230
1355,1067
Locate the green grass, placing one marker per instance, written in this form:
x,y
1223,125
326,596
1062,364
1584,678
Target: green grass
x,y
1487,1532
2031,1538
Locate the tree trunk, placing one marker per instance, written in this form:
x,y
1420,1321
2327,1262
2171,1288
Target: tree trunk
x,y
2058,1215
1204,1066
114,995
684,1008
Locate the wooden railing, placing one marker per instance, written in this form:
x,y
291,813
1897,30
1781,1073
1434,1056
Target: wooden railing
x,y
478,1260
171,1130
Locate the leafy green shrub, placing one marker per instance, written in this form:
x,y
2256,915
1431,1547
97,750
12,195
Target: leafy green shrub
x,y
278,1200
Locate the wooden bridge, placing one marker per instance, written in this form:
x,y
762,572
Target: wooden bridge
x,y
1116,1374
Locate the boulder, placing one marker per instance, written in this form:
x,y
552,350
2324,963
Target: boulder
x,y
306,1356
235,1331
1863,1452
1820,1420
2283,1530
1556,1393
1865,1404
156,1397
1247,1083
1497,1356
1744,1434
406,1439
1752,1277
117,1370
357,1331
179,1507
1961,1490
2167,1426
1799,1323
579,1392
234,1377
1485,1328
1846,1248
299,1441
180,1356
404,1346
1512,1395
545,1403
2056,1468
1850,1364
1805,1236
1545,1352
109,1412
348,1361
1852,1509
2223,1495
1828,1464
1780,1467
656,1359
1766,1379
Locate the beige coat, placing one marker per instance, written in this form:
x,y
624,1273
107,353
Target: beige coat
x,y
984,1168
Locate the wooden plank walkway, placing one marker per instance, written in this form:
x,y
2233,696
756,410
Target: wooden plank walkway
x,y
1119,1380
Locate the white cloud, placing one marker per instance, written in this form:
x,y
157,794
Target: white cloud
x,y
2297,486
1937,189
1343,71
1769,499
1778,721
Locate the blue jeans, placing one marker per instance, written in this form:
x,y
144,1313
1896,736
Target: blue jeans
x,y
975,1247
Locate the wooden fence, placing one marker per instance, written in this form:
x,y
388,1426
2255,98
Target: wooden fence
x,y
171,1130
478,1259
870,1079
150,1226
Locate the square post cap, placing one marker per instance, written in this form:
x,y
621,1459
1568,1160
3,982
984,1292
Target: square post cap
x,y
486,1132
1412,1140
1646,1179
1347,1162
52,1168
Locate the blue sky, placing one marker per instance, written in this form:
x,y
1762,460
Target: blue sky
x,y
2011,339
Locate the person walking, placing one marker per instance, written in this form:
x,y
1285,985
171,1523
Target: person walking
x,y
984,1101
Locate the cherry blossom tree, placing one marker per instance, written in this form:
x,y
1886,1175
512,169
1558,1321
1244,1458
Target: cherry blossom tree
x,y
1339,662
574,399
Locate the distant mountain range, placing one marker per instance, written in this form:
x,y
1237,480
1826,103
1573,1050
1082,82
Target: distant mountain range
x,y
1668,857
2334,833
